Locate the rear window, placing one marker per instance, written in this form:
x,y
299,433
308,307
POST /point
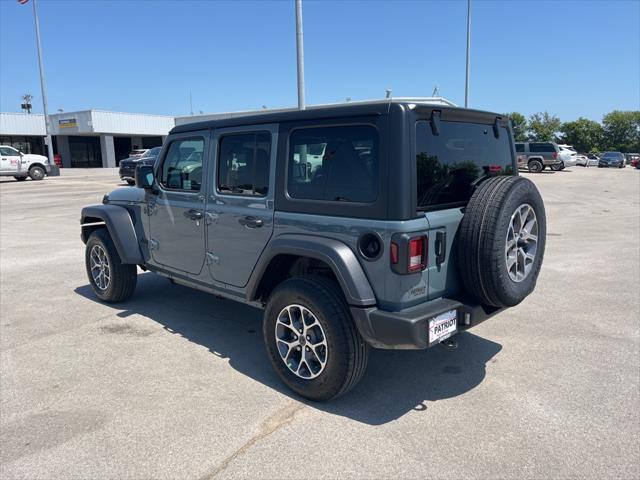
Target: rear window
x,y
449,165
541,147
336,164
520,147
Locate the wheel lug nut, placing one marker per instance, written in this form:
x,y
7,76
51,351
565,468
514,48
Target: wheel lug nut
x,y
300,330
309,337
295,337
298,348
307,349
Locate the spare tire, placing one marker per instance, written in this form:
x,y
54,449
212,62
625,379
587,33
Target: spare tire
x,y
501,241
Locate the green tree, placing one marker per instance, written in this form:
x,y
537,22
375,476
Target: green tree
x,y
543,127
519,123
622,130
584,134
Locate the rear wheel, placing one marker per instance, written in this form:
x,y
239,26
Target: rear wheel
x,y
311,339
535,166
111,280
501,241
36,173
557,167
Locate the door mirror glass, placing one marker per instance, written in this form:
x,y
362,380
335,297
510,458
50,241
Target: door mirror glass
x,y
145,177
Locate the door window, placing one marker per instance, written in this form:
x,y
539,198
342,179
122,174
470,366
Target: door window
x,y
182,166
10,152
243,164
541,148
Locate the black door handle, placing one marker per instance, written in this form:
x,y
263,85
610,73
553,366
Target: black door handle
x,y
441,247
251,222
193,214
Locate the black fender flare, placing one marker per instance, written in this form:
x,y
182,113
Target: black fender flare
x,y
118,222
337,255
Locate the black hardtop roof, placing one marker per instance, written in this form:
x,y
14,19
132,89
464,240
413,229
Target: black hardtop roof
x,y
381,107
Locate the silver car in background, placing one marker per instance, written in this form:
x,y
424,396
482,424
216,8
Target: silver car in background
x,y
568,157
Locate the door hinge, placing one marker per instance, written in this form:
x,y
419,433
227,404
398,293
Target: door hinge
x,y
151,209
153,244
212,259
211,217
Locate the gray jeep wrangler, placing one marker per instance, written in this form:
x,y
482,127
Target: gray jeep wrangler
x,y
391,224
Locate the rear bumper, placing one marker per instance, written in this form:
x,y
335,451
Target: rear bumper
x,y
408,329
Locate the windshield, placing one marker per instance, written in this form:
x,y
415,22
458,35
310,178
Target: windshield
x,y
610,155
450,164
154,152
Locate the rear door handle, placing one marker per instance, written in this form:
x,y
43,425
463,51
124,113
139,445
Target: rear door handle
x,y
251,222
441,247
193,214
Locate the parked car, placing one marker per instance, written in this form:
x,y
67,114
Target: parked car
x,y
536,156
22,165
633,159
128,166
568,157
587,159
138,152
342,254
612,159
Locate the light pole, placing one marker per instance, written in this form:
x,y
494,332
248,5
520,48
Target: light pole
x,y
300,54
466,83
52,163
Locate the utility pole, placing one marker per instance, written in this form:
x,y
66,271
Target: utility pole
x,y
466,83
52,163
300,54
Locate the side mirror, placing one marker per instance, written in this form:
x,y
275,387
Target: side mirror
x,y
145,177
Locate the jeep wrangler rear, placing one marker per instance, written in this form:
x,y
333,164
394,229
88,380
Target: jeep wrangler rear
x,y
391,224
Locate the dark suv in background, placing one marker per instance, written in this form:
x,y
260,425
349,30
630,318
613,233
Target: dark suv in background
x,y
389,224
612,159
128,166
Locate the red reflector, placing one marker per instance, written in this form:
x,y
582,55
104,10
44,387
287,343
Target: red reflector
x,y
394,253
555,155
416,254
495,168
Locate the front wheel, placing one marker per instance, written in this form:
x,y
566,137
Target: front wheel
x,y
311,339
112,281
36,173
535,166
557,167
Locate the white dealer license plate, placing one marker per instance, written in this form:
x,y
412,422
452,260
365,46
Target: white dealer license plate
x,y
443,326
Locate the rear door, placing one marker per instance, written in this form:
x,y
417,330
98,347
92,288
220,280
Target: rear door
x,y
450,162
10,160
176,220
240,208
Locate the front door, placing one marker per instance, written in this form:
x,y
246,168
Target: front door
x,y
10,160
176,212
240,210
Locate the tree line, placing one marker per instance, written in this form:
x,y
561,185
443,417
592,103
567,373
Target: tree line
x,y
619,131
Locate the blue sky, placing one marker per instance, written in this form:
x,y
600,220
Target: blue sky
x,y
573,58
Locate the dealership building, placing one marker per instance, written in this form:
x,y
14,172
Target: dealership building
x,y
87,138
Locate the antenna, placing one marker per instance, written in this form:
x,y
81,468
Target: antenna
x,y
388,91
435,91
26,102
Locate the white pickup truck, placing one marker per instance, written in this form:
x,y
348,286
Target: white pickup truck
x,y
22,165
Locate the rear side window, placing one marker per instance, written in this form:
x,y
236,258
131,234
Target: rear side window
x,y
182,166
520,147
337,164
243,164
541,148
449,165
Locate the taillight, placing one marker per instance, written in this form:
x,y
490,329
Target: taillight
x,y
408,253
417,254
555,155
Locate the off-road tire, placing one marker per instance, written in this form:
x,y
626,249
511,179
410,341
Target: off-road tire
x,y
123,277
36,173
556,167
535,166
347,352
482,240
20,179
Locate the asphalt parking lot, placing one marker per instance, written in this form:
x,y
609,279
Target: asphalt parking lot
x,y
175,383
